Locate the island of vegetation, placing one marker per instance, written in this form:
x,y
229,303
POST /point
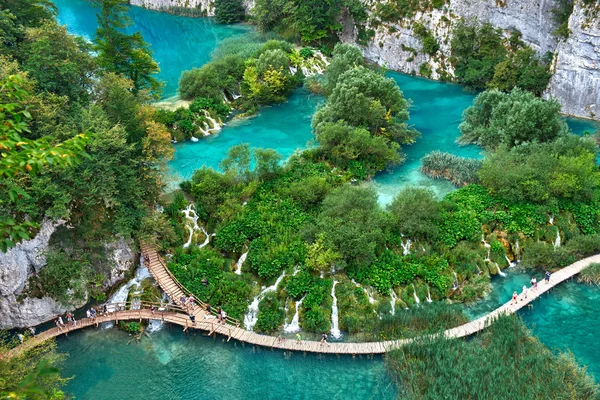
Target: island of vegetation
x,y
300,243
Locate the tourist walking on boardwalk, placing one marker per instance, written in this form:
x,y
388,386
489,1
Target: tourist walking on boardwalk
x,y
182,299
88,314
93,311
533,283
193,319
547,277
298,338
152,309
69,317
32,330
323,338
524,293
191,301
219,314
514,298
223,316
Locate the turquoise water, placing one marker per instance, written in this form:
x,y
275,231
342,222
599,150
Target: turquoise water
x,y
284,127
171,365
563,319
178,43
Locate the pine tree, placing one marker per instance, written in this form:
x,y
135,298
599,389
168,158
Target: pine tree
x,y
229,11
118,52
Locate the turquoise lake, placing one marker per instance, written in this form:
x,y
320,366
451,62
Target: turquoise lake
x,y
174,366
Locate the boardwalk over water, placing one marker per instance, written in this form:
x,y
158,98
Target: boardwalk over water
x,y
209,323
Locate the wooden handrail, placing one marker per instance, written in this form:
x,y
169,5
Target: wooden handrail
x,y
186,291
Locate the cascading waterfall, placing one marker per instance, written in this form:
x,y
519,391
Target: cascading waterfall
x,y
517,252
557,241
499,270
335,327
120,296
294,325
511,264
487,246
191,224
455,283
155,325
369,295
393,301
551,220
417,300
406,246
240,262
251,316
429,295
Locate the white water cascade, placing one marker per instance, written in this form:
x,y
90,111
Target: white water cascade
x,y
511,264
240,262
417,300
517,252
369,295
406,247
393,301
120,296
557,241
487,246
500,271
429,295
335,325
455,283
294,325
191,223
551,220
251,316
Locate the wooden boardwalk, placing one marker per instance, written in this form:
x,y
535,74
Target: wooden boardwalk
x,y
209,323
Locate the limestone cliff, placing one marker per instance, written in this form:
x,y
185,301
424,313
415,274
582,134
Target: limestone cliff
x,y
576,76
27,258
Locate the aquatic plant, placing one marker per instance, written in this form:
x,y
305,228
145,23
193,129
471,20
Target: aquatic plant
x,y
590,275
458,170
518,367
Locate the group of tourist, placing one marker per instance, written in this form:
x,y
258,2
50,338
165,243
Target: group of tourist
x,y
189,303
534,285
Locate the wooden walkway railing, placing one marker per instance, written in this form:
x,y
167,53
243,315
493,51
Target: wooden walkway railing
x,y
209,322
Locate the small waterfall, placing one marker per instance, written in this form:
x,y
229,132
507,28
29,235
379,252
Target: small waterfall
x,y
406,247
511,264
499,270
557,241
213,124
517,252
207,240
240,262
487,246
251,316
551,220
429,295
393,301
369,295
455,283
194,139
120,296
417,300
191,223
335,329
294,325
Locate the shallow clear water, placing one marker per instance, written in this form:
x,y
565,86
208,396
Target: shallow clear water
x,y
563,319
284,127
178,43
171,365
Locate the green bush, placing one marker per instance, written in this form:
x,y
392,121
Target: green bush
x,y
270,314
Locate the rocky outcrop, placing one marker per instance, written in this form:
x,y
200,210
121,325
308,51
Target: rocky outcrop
x,y
199,7
27,258
122,259
397,47
576,79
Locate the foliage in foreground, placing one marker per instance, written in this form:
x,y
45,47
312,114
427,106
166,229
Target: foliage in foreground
x,y
590,275
33,375
503,362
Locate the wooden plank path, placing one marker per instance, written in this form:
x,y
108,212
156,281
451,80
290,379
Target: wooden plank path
x,y
209,323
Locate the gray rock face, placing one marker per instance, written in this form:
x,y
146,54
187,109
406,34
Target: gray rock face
x,y
122,258
26,258
576,79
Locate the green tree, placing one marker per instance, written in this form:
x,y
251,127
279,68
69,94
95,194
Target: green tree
x,y
128,55
416,213
229,11
512,119
344,58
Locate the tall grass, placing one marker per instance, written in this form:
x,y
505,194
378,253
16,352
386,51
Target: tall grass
x,y
503,362
590,275
458,170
